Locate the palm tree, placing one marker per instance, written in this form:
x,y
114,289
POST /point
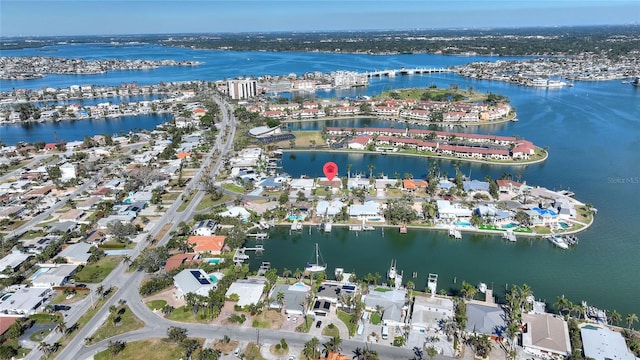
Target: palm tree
x,y
631,318
280,299
563,304
311,348
286,273
100,290
333,345
615,317
468,291
371,167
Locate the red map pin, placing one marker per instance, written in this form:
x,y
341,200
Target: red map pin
x,y
330,170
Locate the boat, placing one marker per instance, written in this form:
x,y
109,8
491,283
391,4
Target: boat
x,y
509,235
515,119
355,228
367,228
455,233
318,266
571,239
403,229
391,274
328,226
558,241
482,287
296,226
636,82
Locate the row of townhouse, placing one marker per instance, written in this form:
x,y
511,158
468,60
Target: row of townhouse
x,y
431,135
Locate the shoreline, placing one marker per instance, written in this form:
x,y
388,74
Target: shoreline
x,y
445,157
398,119
463,229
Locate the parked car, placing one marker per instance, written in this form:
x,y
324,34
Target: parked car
x,y
318,324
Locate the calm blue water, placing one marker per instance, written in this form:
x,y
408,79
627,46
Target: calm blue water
x,y
72,130
591,130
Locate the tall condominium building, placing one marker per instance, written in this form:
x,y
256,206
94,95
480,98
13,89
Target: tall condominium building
x,y
242,89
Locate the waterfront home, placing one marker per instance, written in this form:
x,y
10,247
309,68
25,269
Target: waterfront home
x,y
370,209
429,312
360,142
509,186
450,213
249,291
494,215
475,185
294,297
600,343
544,335
411,185
329,208
193,281
487,319
236,212
393,304
207,244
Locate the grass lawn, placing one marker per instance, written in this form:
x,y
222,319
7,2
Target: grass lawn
x,y
128,322
416,93
305,326
44,319
394,193
304,139
31,234
84,319
182,314
233,188
143,350
38,336
170,196
270,319
156,304
346,319
542,230
376,319
163,231
252,352
322,191
331,330
383,289
207,202
185,202
61,297
95,273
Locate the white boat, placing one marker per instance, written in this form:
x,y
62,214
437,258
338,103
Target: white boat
x,y
327,227
355,227
455,233
319,265
509,235
558,241
367,228
296,226
391,274
482,287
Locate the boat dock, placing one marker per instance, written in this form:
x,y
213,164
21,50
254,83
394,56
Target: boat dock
x,y
240,255
509,235
259,236
264,267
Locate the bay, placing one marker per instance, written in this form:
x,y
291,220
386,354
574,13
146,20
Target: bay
x,y
592,131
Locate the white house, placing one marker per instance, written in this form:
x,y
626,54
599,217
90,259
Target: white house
x,y
68,171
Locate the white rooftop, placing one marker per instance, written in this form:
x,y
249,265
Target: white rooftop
x,y
600,343
248,291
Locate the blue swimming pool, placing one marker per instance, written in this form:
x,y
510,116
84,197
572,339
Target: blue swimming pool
x,y
296,217
509,226
214,261
462,223
544,211
564,225
213,278
38,273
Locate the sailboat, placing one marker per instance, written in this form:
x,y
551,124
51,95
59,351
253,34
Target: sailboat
x,y
318,266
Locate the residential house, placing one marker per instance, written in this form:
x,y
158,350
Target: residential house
x,y
429,312
25,301
207,244
370,209
487,319
601,343
193,281
545,334
294,296
393,304
77,254
249,291
205,228
176,260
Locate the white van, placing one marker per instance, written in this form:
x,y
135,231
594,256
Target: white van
x,y
360,329
385,332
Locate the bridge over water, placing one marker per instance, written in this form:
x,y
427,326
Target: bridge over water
x,y
404,71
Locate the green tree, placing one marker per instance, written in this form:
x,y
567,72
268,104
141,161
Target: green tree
x,y
310,349
116,347
631,319
176,334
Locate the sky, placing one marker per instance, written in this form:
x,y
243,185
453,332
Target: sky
x,y
112,17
